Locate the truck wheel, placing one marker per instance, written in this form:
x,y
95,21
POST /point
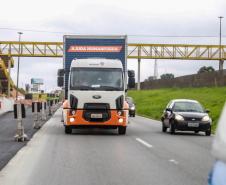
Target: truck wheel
x,y
121,130
68,130
172,129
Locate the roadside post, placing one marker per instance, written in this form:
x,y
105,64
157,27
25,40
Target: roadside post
x,y
43,107
36,109
59,103
19,113
54,105
50,102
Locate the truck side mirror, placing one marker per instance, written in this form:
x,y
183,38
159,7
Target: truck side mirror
x,y
131,83
61,72
131,73
60,81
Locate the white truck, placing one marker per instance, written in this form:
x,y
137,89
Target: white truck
x,y
95,82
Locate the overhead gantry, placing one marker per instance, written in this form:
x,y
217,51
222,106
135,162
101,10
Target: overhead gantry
x,y
135,51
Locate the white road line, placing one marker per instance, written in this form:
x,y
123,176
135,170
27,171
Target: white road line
x,y
173,161
144,143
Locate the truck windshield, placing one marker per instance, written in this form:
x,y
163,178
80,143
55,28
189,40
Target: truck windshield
x,y
103,79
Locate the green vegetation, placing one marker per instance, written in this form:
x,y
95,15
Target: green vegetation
x,y
206,69
167,75
151,103
21,90
6,93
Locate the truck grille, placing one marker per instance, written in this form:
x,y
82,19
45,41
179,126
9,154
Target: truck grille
x,y
102,109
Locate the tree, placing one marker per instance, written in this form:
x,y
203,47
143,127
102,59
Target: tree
x,y
149,78
167,75
206,69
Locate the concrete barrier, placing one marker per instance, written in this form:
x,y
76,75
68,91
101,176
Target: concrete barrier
x,y
6,104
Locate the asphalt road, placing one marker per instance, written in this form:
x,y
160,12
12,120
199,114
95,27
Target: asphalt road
x,y
9,128
144,156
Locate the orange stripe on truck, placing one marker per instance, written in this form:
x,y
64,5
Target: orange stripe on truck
x,y
65,104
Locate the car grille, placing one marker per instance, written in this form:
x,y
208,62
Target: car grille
x,y
193,119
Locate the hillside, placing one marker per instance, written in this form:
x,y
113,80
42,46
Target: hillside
x,y
151,103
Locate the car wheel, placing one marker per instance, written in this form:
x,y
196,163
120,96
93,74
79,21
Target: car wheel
x,y
172,128
68,130
164,128
121,130
197,131
208,132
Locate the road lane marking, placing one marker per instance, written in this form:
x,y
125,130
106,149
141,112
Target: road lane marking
x,y
173,161
144,143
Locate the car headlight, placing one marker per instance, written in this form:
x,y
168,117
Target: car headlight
x,y
179,117
132,108
206,118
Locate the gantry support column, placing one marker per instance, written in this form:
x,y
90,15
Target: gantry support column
x,y
221,64
138,82
9,70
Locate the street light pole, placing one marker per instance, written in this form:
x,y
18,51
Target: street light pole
x,y
221,61
18,66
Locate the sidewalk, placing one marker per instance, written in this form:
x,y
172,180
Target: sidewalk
x,y
8,129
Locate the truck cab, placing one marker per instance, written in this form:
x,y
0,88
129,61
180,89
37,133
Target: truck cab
x,y
96,95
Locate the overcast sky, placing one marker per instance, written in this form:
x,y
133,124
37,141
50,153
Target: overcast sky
x,y
142,21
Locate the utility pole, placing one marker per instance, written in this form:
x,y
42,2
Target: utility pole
x,y
18,69
221,61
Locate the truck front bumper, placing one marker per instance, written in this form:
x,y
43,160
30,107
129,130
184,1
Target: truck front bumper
x,y
77,119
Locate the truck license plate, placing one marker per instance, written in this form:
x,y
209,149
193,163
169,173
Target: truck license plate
x,y
193,124
96,115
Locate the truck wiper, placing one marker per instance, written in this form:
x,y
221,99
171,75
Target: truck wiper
x,y
110,88
85,88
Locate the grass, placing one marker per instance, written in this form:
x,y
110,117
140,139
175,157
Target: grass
x,y
151,103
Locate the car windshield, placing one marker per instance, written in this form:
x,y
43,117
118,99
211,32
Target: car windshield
x,y
103,79
130,100
188,107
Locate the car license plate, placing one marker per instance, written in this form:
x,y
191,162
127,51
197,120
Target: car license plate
x,y
193,124
96,115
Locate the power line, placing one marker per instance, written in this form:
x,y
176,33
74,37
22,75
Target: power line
x,y
58,32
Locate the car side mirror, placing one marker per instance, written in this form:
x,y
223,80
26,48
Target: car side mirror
x,y
207,111
169,109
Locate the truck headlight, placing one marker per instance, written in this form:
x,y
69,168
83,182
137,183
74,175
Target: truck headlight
x,y
120,120
206,118
72,119
179,117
